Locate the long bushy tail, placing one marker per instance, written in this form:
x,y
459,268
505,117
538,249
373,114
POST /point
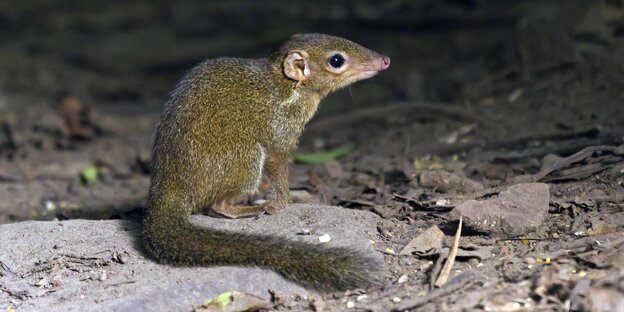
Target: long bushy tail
x,y
171,238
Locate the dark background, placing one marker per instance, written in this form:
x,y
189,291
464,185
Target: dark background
x,y
137,49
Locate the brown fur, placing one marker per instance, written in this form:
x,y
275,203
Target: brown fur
x,y
228,123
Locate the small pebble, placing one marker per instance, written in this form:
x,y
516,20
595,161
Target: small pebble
x,y
103,276
123,258
50,205
350,304
443,202
318,304
426,265
42,282
396,299
402,279
324,238
406,262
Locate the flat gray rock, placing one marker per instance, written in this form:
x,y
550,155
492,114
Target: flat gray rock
x,y
81,265
520,209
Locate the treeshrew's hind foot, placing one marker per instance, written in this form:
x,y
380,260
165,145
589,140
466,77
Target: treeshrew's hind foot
x,y
232,211
272,206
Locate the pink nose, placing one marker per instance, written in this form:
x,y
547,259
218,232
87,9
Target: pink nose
x,y
385,62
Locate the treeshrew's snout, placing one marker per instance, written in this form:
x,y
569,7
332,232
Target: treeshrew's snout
x,y
385,63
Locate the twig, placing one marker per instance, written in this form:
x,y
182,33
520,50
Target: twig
x,y
613,198
120,283
19,294
580,172
474,195
446,270
576,157
5,270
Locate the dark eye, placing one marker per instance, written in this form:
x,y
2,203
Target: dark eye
x,y
336,61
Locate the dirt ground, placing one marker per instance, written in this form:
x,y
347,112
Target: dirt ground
x,y
518,105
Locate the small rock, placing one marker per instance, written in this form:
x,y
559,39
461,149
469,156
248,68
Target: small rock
x,y
604,298
103,277
518,210
402,279
318,304
324,238
42,282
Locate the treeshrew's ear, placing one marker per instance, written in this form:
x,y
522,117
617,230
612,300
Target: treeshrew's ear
x,y
297,65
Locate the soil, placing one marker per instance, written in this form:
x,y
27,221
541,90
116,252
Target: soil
x,y
480,96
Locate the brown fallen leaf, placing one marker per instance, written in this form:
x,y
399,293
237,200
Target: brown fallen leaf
x,y
77,117
429,241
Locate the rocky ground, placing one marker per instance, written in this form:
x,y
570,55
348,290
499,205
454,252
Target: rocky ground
x,y
508,115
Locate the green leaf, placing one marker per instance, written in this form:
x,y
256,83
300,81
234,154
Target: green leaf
x,y
221,301
89,174
322,157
